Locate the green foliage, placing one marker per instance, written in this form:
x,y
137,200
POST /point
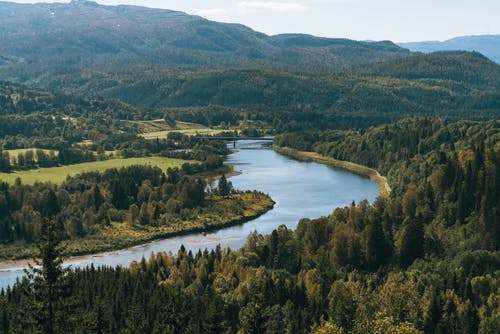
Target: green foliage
x,y
47,281
224,186
148,36
448,67
83,204
425,259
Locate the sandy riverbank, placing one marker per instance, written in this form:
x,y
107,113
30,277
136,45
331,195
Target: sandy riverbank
x,y
374,175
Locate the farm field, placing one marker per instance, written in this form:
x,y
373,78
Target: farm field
x,y
59,174
160,129
188,132
161,124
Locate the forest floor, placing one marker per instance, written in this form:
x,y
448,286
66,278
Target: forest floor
x,y
384,188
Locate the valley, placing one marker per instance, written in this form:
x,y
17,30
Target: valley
x,y
161,172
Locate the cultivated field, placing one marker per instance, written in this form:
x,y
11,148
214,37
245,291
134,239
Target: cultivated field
x,y
188,132
160,129
59,174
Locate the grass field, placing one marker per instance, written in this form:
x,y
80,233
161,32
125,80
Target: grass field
x,y
160,125
188,132
160,129
58,174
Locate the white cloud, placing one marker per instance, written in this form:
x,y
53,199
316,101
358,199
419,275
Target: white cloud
x,y
211,12
250,6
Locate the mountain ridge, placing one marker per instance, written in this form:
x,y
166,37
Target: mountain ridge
x,y
489,45
87,33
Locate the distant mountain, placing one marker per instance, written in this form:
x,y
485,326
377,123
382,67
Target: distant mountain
x,y
452,84
84,33
160,60
455,85
488,45
468,68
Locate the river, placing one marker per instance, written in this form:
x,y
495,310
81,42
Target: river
x,y
300,189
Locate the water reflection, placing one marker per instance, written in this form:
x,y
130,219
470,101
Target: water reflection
x,y
300,189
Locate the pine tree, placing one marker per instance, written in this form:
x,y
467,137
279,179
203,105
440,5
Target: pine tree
x,y
225,186
4,161
47,279
377,248
432,313
412,242
4,319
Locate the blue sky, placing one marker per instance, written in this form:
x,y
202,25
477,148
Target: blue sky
x,y
397,20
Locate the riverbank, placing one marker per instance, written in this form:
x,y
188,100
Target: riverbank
x,y
220,212
358,169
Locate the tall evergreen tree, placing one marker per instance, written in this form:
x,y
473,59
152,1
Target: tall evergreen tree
x,y
432,313
4,319
377,248
225,186
47,280
412,243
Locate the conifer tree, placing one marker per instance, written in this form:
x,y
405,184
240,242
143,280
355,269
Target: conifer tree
x,y
377,248
225,186
412,242
4,319
47,280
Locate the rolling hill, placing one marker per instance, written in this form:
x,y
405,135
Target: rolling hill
x,y
84,33
457,85
160,60
489,45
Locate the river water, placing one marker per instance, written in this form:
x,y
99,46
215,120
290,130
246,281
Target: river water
x,y
300,189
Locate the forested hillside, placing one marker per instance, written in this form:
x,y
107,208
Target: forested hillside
x,y
453,85
470,68
32,118
192,68
424,260
91,89
489,45
37,37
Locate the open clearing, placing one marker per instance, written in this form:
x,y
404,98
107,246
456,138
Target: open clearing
x,y
160,129
188,132
59,174
161,125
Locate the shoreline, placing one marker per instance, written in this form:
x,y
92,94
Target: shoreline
x,y
228,175
374,175
11,265
383,186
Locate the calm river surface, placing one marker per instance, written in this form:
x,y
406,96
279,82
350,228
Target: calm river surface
x,y
300,189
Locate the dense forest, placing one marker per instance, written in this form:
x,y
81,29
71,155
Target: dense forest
x,y
87,83
454,85
120,207
425,259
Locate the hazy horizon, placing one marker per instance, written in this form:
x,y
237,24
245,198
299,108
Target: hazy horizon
x,y
411,21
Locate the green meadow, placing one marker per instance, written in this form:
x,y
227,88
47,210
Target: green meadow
x,y
160,129
187,132
59,174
